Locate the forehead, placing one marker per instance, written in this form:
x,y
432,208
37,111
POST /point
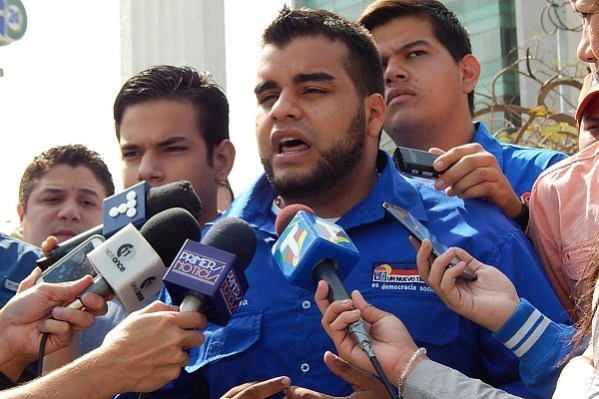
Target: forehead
x,y
401,30
157,120
305,54
158,110
64,176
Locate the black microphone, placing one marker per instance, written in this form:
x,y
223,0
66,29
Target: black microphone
x,y
131,263
208,276
134,205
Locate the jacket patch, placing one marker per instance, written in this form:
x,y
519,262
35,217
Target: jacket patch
x,y
397,277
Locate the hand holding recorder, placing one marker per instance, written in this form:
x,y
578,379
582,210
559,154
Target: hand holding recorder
x,y
489,301
466,171
420,232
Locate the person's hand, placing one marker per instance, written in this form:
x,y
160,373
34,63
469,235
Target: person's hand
x,y
391,341
148,349
25,318
365,385
468,171
489,301
49,244
577,377
258,390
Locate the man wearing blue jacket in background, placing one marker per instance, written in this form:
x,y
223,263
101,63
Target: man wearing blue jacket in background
x,y
430,75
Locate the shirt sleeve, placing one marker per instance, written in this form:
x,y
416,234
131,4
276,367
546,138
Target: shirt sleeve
x,y
431,380
539,343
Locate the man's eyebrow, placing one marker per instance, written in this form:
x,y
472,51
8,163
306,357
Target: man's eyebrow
x,y
89,191
52,190
60,191
413,44
269,84
171,140
164,143
408,46
301,78
129,147
313,77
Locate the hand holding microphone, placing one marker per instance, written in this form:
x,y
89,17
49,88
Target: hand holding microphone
x,y
209,276
148,348
390,338
310,249
131,263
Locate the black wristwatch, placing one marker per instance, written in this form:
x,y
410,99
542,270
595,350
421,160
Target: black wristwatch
x,y
522,218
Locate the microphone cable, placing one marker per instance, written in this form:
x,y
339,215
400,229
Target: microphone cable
x,y
40,356
358,330
379,371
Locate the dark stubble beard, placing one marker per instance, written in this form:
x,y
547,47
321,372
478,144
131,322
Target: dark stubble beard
x,y
335,163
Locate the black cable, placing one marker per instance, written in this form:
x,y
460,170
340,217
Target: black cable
x,y
358,330
379,371
40,356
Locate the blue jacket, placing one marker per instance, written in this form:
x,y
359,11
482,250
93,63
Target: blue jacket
x,y
277,331
521,165
17,260
540,344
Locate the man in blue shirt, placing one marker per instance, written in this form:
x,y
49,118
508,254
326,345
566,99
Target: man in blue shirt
x,y
319,118
430,75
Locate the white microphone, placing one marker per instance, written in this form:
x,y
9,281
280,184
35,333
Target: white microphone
x,y
131,263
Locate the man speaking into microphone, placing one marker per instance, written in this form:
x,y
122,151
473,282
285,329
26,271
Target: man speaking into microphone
x,y
320,111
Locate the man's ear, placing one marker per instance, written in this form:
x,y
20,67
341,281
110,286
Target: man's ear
x,y
223,157
375,109
21,212
470,72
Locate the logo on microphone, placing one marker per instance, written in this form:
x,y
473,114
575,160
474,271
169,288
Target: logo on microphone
x,y
129,207
147,282
122,252
331,232
199,267
137,291
232,291
123,208
291,246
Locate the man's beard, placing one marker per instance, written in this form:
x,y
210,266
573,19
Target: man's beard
x,y
335,163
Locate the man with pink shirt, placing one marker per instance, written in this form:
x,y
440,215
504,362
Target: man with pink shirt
x,y
564,206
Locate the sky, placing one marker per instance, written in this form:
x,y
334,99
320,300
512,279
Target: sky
x,y
61,78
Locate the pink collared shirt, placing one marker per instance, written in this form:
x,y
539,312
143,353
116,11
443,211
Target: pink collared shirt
x,y
564,220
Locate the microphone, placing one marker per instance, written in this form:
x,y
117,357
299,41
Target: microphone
x,y
310,249
131,263
208,276
133,205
